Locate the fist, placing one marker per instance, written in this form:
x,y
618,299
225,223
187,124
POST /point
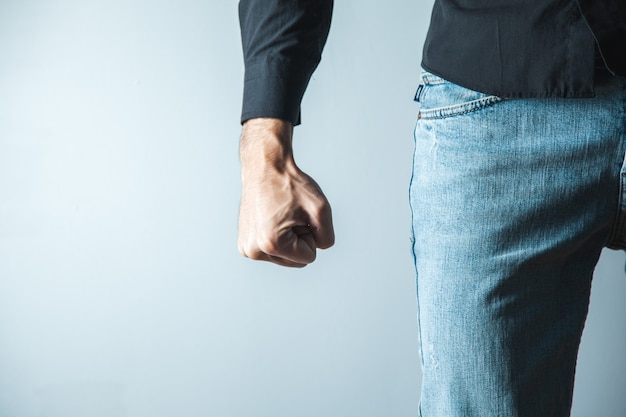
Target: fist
x,y
284,216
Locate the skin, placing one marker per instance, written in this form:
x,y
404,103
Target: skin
x,y
284,216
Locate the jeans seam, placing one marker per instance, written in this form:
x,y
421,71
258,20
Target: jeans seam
x,y
413,243
615,239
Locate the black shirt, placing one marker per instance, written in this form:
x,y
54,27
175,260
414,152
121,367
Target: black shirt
x,y
525,48
511,48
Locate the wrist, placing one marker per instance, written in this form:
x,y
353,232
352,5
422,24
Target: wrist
x,y
266,145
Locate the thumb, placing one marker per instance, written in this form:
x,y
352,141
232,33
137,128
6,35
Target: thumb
x,y
305,238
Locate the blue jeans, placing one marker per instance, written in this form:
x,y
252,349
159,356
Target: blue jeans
x,y
512,201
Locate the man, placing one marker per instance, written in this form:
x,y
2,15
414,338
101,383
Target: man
x,y
518,184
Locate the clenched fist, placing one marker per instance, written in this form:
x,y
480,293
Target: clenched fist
x,y
284,216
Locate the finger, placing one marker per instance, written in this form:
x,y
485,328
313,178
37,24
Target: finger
x,y
322,229
285,262
289,246
306,240
261,256
296,245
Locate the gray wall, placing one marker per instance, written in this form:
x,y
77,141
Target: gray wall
x,y
121,289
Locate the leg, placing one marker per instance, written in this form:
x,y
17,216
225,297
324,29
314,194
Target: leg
x,y
512,203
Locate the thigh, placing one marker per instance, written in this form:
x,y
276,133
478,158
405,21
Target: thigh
x,y
512,202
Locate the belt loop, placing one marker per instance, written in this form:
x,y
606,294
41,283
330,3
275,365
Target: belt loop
x,y
418,93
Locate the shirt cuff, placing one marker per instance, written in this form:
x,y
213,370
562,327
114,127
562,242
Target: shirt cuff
x,y
275,89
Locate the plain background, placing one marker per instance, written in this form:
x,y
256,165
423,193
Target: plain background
x,y
122,293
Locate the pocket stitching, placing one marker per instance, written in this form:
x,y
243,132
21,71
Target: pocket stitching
x,y
456,110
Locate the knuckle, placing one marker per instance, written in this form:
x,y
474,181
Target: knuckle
x,y
256,255
323,213
321,208
250,251
268,245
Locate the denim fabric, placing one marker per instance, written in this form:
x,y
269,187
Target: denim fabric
x,y
512,202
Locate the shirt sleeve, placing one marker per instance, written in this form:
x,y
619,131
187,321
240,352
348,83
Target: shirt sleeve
x,y
282,45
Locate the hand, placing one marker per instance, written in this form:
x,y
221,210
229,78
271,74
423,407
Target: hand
x,y
284,216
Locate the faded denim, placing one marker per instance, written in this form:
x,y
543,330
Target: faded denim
x,y
512,201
